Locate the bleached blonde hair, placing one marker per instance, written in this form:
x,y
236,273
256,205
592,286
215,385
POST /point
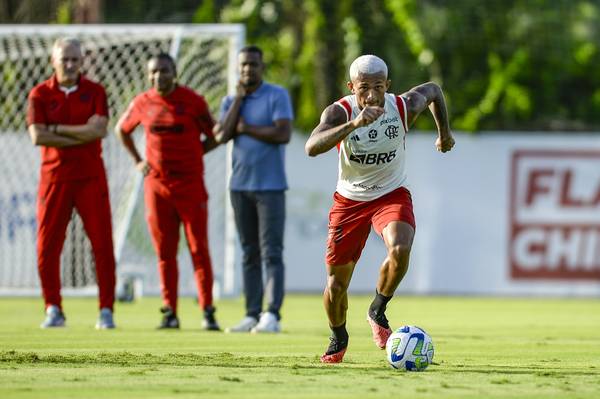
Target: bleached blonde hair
x,y
367,65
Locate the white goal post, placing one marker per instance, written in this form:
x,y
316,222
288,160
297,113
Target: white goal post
x,y
115,56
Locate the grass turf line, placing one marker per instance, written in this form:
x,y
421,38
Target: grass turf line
x,y
485,347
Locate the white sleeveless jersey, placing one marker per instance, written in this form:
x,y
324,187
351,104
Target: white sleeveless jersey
x,y
371,158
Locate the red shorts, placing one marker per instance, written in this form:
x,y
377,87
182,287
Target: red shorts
x,y
350,222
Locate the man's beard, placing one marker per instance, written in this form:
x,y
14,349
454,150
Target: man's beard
x,y
250,83
164,86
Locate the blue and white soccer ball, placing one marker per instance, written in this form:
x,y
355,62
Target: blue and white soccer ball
x,y
409,348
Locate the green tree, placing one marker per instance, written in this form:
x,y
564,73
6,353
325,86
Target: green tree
x,y
511,64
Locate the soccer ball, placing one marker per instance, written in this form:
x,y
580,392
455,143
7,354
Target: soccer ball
x,y
409,348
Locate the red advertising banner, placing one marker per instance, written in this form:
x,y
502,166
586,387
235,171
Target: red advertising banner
x,y
555,215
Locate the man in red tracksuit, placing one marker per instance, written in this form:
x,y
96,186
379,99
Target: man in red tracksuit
x,y
67,117
174,118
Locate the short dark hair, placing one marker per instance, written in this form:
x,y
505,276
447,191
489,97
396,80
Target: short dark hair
x,y
164,56
252,49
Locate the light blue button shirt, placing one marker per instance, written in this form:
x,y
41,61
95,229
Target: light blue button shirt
x,y
259,166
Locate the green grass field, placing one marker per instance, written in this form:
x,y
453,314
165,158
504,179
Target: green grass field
x,y
485,347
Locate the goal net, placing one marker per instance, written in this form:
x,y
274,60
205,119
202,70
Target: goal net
x,y
116,56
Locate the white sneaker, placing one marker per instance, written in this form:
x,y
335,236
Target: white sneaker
x,y
268,323
54,317
246,325
105,320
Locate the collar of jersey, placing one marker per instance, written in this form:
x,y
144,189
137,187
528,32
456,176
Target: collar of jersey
x,y
68,90
155,92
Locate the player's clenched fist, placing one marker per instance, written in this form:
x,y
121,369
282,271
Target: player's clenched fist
x,y
367,116
444,144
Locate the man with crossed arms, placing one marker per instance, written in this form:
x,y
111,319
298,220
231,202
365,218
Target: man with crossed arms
x,y
67,117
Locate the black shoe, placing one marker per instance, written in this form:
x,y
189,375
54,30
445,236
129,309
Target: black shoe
x,y
210,323
335,352
336,345
169,319
380,319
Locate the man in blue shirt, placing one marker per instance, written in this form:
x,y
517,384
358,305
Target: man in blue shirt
x,y
259,120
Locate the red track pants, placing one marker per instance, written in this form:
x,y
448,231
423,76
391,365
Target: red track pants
x,y
54,208
170,203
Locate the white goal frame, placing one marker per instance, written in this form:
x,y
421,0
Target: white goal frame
x,y
225,279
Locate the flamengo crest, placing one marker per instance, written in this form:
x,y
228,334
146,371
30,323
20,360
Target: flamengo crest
x,y
391,131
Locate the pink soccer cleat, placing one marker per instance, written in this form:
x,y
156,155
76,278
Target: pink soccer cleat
x,y
335,352
334,357
380,333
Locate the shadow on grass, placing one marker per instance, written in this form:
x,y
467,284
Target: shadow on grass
x,y
128,359
555,372
298,364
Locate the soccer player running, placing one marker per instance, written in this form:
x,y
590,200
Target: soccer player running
x,y
178,128
369,128
67,117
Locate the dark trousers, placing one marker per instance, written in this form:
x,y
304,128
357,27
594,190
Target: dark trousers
x,y
260,221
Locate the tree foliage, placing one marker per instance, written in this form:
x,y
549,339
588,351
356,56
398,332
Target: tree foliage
x,y
504,65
